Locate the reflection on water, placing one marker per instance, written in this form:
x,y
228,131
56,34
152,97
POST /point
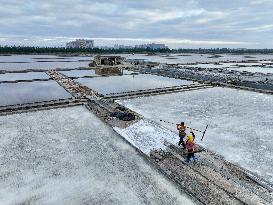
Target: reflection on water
x,y
79,73
91,72
116,84
44,62
109,70
23,76
29,92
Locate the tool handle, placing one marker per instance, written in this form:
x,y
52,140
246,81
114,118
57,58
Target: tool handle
x,y
204,133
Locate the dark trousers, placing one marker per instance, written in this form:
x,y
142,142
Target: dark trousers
x,y
190,155
181,141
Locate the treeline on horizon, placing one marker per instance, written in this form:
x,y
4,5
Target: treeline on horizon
x,y
62,50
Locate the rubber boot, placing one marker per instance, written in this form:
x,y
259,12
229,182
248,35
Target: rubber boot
x,y
187,160
194,158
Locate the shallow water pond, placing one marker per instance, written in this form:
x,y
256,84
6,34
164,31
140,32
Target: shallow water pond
x,y
29,92
117,84
23,76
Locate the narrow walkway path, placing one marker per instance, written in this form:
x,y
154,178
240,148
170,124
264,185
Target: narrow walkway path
x,y
76,89
156,91
21,108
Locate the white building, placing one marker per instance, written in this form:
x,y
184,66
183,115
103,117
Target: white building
x,y
80,43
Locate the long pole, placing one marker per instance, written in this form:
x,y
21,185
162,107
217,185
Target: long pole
x,y
178,124
204,132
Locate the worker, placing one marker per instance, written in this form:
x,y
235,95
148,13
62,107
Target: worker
x,y
182,133
191,147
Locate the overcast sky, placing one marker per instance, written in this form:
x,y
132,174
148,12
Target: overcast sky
x,y
178,23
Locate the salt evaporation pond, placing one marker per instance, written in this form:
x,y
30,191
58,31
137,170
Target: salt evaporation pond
x,y
47,62
29,92
79,73
117,84
193,58
240,122
55,157
89,73
44,62
206,66
23,76
253,69
250,67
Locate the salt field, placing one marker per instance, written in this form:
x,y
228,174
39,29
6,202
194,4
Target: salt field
x,y
193,58
44,62
23,76
209,65
253,69
90,73
75,155
55,157
249,67
29,92
240,122
79,73
146,136
117,84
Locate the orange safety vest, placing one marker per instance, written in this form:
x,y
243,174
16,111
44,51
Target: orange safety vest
x,y
182,129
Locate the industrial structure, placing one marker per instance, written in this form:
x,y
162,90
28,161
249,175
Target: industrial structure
x,y
107,60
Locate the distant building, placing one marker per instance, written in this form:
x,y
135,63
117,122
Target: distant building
x,y
80,43
122,47
104,47
153,46
241,49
